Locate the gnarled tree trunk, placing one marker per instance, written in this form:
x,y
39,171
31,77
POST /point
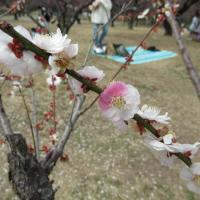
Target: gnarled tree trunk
x,y
30,181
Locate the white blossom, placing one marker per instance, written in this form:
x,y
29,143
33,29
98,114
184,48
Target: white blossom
x,y
153,114
56,43
89,72
191,175
20,62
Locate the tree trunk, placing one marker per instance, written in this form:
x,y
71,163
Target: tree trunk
x,y
30,181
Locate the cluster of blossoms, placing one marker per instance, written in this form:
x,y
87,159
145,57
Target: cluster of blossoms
x,y
12,54
22,62
119,102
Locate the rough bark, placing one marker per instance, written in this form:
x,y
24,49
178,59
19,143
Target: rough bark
x,y
30,181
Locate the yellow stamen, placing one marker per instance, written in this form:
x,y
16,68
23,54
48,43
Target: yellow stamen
x,y
118,102
63,61
173,133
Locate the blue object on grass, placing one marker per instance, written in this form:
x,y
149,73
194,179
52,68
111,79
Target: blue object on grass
x,y
142,56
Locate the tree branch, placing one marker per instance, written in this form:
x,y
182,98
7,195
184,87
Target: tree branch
x,y
32,47
54,155
191,69
5,123
35,121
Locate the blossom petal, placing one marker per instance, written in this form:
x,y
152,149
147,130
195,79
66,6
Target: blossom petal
x,y
71,51
186,174
195,168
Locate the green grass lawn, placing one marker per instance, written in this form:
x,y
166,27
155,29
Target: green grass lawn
x,y
105,164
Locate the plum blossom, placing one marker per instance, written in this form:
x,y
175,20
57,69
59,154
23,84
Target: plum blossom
x,y
192,177
162,143
153,114
54,80
165,157
59,46
189,150
89,72
167,147
119,102
15,58
53,43
168,143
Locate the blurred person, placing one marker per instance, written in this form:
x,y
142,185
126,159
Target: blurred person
x,y
101,12
195,26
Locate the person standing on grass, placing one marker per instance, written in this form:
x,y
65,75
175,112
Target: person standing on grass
x,y
101,12
195,26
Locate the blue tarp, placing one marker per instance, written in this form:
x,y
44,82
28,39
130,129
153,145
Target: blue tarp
x,y
142,56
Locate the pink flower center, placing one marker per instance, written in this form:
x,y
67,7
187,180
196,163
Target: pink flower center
x,y
118,102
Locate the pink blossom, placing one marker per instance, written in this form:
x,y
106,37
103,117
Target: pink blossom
x,y
119,102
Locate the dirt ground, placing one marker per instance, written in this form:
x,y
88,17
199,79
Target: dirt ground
x,y
105,164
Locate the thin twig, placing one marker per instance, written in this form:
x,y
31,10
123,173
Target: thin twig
x,y
59,148
90,106
135,50
5,123
54,105
35,121
28,115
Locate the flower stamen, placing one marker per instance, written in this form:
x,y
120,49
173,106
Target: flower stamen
x,y
118,102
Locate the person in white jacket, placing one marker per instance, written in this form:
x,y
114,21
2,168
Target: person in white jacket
x,y
101,12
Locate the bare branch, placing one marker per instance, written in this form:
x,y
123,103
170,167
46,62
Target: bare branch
x,y
4,121
35,121
54,155
191,69
28,116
